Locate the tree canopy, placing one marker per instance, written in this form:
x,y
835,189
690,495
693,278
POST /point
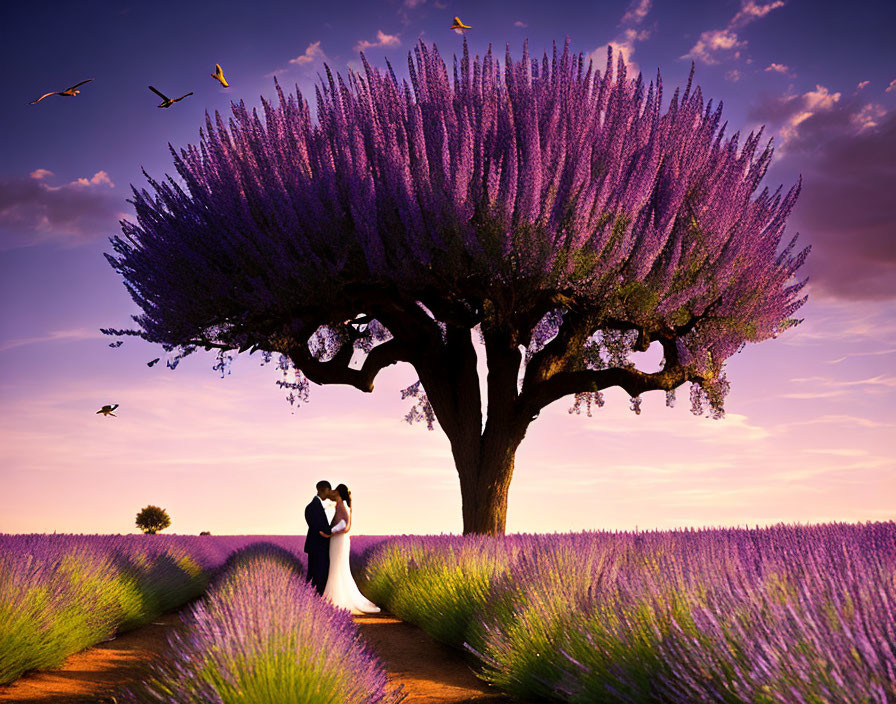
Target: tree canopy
x,y
557,208
151,519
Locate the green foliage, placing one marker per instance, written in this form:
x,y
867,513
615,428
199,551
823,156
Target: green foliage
x,y
262,635
440,590
152,519
765,616
639,299
53,607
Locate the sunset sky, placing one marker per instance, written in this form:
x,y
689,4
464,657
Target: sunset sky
x,y
809,430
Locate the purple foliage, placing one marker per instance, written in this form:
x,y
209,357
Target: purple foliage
x,y
61,593
554,208
774,615
263,634
534,187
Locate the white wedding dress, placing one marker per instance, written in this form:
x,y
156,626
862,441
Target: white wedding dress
x,y
341,589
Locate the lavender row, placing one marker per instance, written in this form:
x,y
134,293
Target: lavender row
x,y
785,614
262,635
62,593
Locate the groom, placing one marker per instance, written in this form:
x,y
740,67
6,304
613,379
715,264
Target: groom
x,y
318,547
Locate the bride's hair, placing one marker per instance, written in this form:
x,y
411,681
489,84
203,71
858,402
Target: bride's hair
x,y
346,495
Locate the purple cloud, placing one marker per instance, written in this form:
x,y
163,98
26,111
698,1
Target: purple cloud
x,y
714,45
313,52
624,42
847,207
382,40
785,113
783,69
33,212
846,151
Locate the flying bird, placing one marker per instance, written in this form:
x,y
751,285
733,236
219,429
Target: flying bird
x,y
68,92
107,410
458,25
166,101
218,75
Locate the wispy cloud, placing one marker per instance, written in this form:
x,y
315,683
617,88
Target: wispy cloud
x,y
717,496
734,429
811,472
520,24
625,40
876,381
812,394
53,336
845,147
840,419
873,353
783,69
313,52
716,45
382,40
839,452
100,178
791,110
636,12
892,87
32,211
751,11
860,324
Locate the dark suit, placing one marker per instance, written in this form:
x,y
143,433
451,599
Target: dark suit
x,y
317,546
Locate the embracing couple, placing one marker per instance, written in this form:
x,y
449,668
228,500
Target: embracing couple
x,y
328,548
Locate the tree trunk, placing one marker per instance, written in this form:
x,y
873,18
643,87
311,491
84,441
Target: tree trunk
x,y
483,456
485,473
485,501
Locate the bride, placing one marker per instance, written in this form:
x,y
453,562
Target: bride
x,y
341,589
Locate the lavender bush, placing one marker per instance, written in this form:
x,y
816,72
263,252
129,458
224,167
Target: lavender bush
x,y
62,593
565,214
771,616
437,586
262,635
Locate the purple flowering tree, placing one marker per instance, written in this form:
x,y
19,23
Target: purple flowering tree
x,y
554,211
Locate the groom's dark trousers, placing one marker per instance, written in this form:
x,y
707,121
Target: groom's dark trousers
x,y
317,546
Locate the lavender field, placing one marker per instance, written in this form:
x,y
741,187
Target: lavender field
x,y
60,594
782,614
262,634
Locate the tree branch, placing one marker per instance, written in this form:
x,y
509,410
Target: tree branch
x,y
337,371
633,381
574,330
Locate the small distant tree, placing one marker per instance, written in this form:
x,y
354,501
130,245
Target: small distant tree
x,y
152,519
205,532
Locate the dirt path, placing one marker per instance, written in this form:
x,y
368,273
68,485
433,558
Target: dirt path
x,y
431,673
94,674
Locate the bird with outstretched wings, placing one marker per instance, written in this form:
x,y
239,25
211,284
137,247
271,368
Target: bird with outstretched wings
x,y
458,25
166,101
67,93
107,410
